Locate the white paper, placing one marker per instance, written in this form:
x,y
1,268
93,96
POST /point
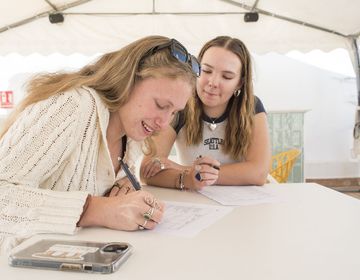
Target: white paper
x,y
188,219
241,195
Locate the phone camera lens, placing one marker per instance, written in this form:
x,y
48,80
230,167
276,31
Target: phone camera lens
x,y
115,248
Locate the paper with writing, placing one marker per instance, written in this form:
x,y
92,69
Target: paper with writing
x,y
188,219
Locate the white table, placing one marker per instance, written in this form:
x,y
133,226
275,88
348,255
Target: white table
x,y
314,234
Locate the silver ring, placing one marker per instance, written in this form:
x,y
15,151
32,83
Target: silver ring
x,y
142,227
148,215
152,202
157,160
149,200
156,204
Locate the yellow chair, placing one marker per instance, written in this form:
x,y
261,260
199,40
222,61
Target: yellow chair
x,y
282,164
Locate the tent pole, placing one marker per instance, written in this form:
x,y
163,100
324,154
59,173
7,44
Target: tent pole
x,y
355,151
356,56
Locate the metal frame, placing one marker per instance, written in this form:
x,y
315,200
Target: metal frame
x,y
235,3
45,14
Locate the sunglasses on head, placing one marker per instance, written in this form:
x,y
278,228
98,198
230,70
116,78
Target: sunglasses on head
x,y
178,51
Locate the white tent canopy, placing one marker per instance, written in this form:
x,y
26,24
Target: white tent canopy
x,y
95,26
98,26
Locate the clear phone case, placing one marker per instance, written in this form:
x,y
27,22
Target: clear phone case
x,y
82,256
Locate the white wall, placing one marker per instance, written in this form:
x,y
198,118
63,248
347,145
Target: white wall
x,y
286,84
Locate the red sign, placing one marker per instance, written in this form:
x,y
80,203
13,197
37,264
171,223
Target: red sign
x,y
6,99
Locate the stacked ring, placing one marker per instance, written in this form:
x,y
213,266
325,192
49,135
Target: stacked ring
x,y
142,227
152,202
148,215
149,200
127,189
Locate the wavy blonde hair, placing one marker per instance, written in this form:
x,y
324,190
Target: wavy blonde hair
x,y
241,108
113,76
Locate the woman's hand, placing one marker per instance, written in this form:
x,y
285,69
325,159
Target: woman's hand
x,y
204,172
136,210
154,165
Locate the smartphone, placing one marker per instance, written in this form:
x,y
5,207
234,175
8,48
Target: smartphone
x,y
82,256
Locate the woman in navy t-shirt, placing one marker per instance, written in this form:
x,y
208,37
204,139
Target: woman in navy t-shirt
x,y
222,136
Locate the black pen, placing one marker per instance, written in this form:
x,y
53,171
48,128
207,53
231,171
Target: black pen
x,y
128,173
213,166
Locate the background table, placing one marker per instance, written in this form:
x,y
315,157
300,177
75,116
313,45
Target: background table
x,y
313,234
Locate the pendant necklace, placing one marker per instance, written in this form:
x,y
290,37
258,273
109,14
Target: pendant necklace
x,y
212,126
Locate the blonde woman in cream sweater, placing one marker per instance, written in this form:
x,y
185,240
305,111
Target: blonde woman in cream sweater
x,y
59,149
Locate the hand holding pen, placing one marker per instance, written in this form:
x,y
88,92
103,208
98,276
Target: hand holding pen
x,y
135,183
204,172
124,185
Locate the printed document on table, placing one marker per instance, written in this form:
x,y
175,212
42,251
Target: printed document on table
x,y
241,195
188,219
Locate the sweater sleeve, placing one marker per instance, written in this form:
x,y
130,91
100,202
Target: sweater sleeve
x,y
37,144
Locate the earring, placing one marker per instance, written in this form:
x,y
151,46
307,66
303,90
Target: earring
x,y
237,92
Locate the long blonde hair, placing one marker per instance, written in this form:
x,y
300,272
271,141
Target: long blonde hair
x,y
113,76
241,108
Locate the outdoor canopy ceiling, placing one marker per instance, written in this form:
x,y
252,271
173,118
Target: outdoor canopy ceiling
x,y
96,26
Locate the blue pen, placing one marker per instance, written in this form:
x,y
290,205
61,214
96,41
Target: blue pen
x,y
128,173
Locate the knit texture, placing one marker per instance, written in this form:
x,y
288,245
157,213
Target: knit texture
x,y
48,163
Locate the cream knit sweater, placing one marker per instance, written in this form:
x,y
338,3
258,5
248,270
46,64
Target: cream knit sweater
x,y
51,158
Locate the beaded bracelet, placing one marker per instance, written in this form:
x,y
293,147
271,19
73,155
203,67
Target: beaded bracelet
x,y
181,179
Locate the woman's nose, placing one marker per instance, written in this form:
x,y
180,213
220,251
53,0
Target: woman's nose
x,y
213,81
